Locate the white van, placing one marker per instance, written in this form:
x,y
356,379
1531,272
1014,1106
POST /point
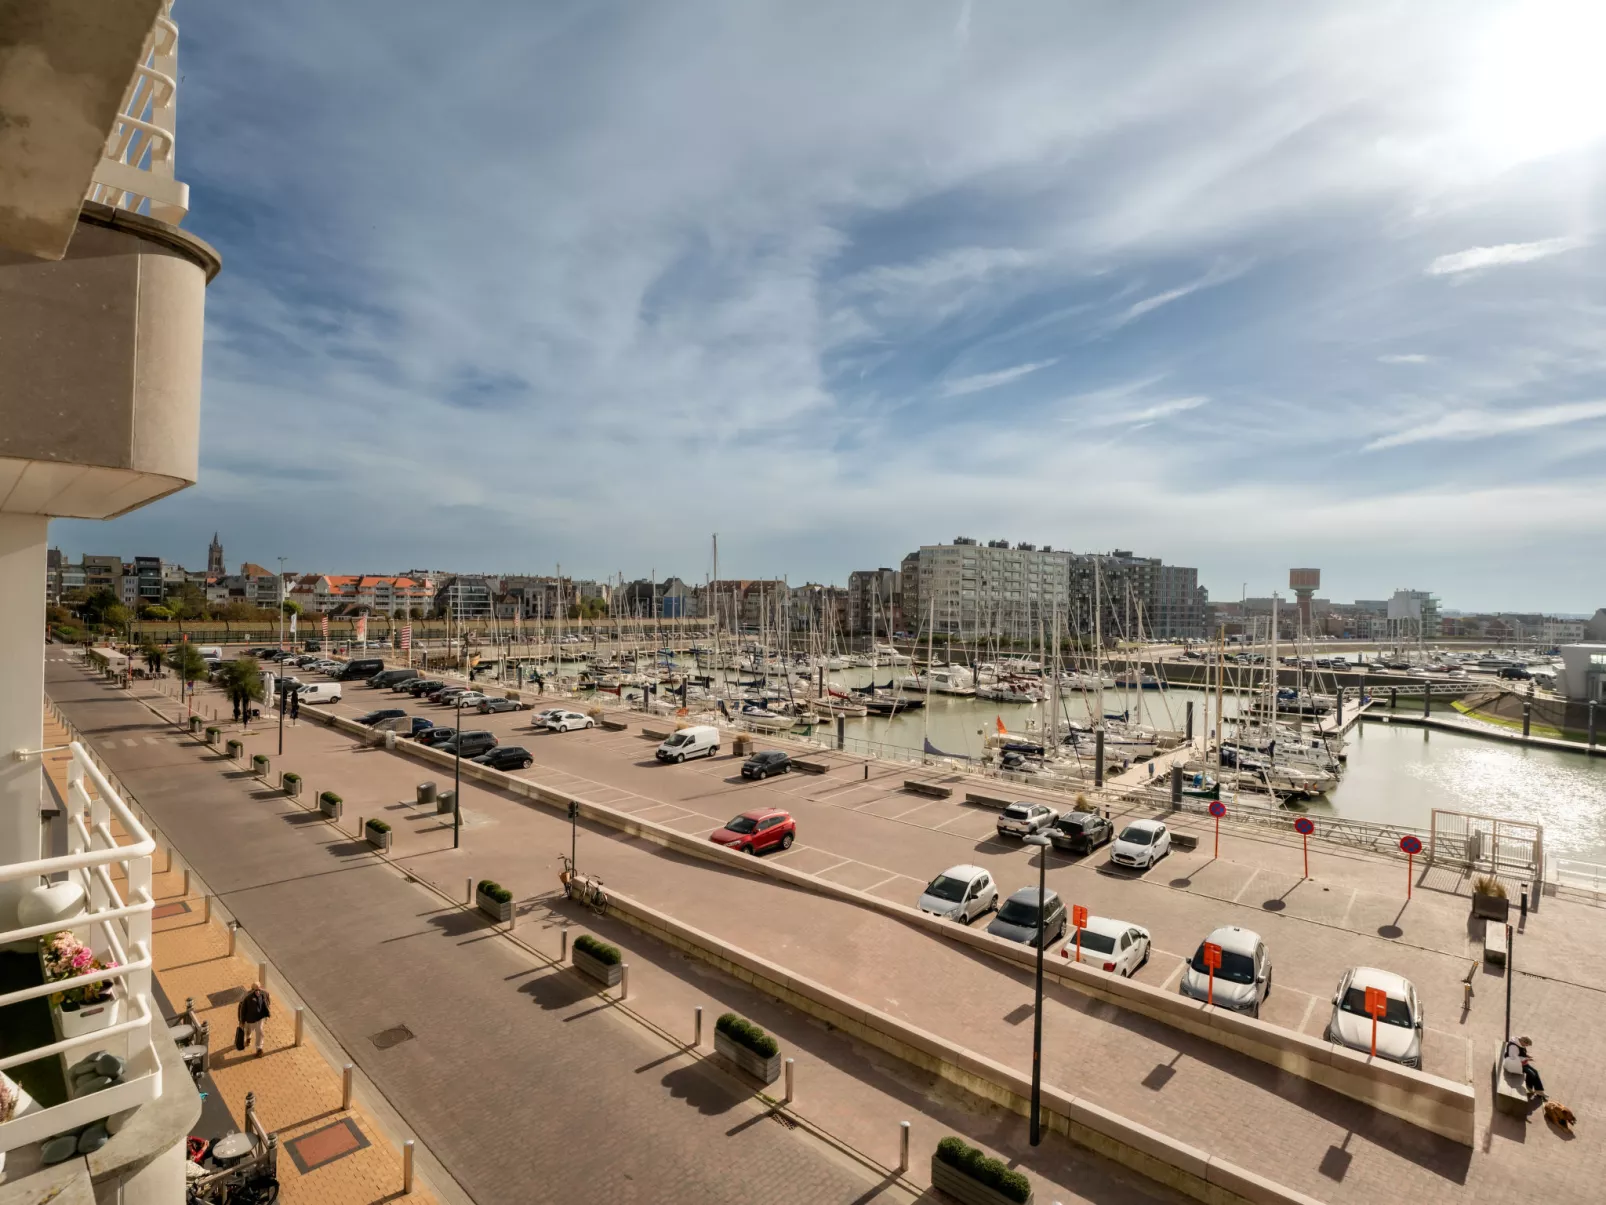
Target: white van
x,y
319,692
700,739
210,652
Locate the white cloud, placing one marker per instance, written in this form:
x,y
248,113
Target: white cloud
x,y
1481,424
1148,414
991,380
1220,274
1405,358
1505,253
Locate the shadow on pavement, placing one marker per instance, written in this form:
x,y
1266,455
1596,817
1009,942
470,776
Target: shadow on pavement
x,y
554,990
709,1095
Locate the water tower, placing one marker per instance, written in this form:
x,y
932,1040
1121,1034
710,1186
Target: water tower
x,y
1304,583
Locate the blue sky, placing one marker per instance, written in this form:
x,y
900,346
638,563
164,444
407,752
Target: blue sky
x,y
1244,286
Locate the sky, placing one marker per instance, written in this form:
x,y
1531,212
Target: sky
x,y
1244,286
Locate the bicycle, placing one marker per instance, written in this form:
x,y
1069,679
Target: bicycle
x,y
586,889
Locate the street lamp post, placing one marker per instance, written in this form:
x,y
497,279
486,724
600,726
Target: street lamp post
x,y
279,594
457,774
1042,843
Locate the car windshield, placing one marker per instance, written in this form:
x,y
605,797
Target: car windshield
x,y
678,739
1399,1013
1018,912
742,824
1235,968
1137,836
946,887
1072,824
1099,943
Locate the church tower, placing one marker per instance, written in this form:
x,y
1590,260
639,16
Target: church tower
x,y
214,559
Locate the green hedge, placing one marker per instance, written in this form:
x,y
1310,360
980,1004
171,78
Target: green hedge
x,y
983,1168
213,733
743,1032
330,797
379,826
292,776
496,891
600,950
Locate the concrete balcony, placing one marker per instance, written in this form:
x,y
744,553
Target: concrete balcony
x,y
101,367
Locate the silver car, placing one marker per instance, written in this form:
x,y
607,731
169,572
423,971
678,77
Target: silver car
x,y
1399,1029
1024,818
1244,978
961,893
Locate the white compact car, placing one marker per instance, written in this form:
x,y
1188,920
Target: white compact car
x,y
1024,818
1117,946
1399,1030
568,721
961,893
1244,978
319,692
1141,844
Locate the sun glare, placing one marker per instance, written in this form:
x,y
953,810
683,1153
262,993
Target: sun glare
x,y
1539,87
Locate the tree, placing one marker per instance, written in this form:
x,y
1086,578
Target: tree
x,y
151,654
291,607
241,681
115,617
93,610
418,612
187,602
187,660
154,611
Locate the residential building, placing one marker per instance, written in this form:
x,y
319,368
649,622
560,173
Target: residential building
x,y
525,597
102,573
993,589
1143,596
874,602
53,566
1583,673
1553,632
464,597
127,587
748,604
1595,627
1413,615
149,576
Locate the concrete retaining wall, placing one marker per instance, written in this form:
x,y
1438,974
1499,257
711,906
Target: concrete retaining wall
x,y
1165,1160
1436,1104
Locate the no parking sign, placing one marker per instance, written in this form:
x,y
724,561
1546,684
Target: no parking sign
x,y
1410,846
1218,810
1305,826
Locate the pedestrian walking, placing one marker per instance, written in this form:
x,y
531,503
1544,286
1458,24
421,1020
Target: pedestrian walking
x,y
254,1009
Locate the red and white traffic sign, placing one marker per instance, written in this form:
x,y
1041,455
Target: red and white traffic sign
x,y
1410,846
1305,826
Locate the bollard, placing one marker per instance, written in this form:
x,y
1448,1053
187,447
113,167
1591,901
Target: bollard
x,y
234,929
1098,755
346,1074
1176,787
186,882
563,952
1527,717
262,974
624,981
301,1024
407,1167
206,909
697,1027
169,866
1525,904
789,1081
1592,723
468,890
903,1146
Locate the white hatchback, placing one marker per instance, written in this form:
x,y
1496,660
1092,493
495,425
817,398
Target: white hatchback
x,y
1141,844
568,721
1399,1029
961,893
1117,946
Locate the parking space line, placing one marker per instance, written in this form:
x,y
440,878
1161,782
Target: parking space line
x,y
1249,882
1174,978
1310,1006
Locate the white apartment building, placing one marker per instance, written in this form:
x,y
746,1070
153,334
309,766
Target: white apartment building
x,y
993,589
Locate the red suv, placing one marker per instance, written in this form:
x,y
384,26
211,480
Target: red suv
x,y
756,831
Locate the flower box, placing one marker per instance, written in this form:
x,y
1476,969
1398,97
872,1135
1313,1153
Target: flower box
x,y
290,783
377,834
88,1018
993,1183
330,805
491,903
259,765
234,749
212,734
765,1070
1491,907
593,966
195,723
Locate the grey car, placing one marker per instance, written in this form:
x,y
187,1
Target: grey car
x,y
491,705
1017,918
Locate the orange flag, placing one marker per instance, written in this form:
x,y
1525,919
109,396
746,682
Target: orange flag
x,y
1002,731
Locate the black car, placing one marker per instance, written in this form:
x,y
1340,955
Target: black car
x,y
1514,671
384,713
422,686
469,744
1080,832
762,765
435,736
362,668
506,757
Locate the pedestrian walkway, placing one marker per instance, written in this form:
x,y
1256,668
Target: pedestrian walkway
x,y
329,1155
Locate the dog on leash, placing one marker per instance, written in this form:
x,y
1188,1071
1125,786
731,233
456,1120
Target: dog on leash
x,y
1559,1114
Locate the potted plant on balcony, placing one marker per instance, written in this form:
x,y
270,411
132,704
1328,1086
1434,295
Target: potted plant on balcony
x,y
377,834
290,783
495,900
975,1178
330,805
79,1010
597,960
1489,901
748,1046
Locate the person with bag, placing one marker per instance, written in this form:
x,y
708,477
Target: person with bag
x,y
253,1011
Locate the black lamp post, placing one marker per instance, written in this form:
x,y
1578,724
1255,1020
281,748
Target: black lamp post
x,y
1042,843
457,773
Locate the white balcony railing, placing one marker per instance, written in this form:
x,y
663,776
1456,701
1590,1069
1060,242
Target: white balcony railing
x,y
116,929
136,168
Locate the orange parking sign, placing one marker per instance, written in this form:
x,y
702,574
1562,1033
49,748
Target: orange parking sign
x,y
1377,1005
1079,916
1212,956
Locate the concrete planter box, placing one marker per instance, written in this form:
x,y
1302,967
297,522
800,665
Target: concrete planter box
x,y
290,784
331,808
234,749
496,909
212,734
75,1023
1491,907
949,1180
591,968
765,1070
259,765
378,838
444,803
195,723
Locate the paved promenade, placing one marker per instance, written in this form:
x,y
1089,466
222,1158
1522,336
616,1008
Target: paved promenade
x,y
490,1021
1282,1127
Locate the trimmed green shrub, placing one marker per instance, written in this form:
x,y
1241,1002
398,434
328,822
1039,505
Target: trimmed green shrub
x,y
744,1033
330,797
292,776
379,826
496,891
212,734
600,950
983,1168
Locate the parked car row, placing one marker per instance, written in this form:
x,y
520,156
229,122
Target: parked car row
x,y
1140,844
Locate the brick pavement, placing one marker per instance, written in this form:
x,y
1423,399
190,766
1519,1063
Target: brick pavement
x,y
1337,1154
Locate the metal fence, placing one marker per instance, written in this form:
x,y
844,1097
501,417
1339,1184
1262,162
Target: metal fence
x,y
1487,843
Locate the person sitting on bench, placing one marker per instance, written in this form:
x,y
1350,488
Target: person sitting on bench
x,y
1517,1052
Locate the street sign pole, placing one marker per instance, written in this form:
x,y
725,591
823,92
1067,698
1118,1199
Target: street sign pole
x,y
1079,921
1410,846
1304,826
1212,960
1218,810
1377,1004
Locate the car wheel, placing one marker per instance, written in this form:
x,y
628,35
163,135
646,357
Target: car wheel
x,y
747,849
528,762
786,841
1268,988
679,757
761,775
591,724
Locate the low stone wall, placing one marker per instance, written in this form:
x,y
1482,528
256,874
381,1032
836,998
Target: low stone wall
x,y
1425,1100
1177,1165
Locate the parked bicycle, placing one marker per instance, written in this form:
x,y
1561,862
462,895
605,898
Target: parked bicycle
x,y
586,889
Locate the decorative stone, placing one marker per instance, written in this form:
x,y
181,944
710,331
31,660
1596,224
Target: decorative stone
x,y
93,1083
109,1064
93,1138
87,1066
59,1148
